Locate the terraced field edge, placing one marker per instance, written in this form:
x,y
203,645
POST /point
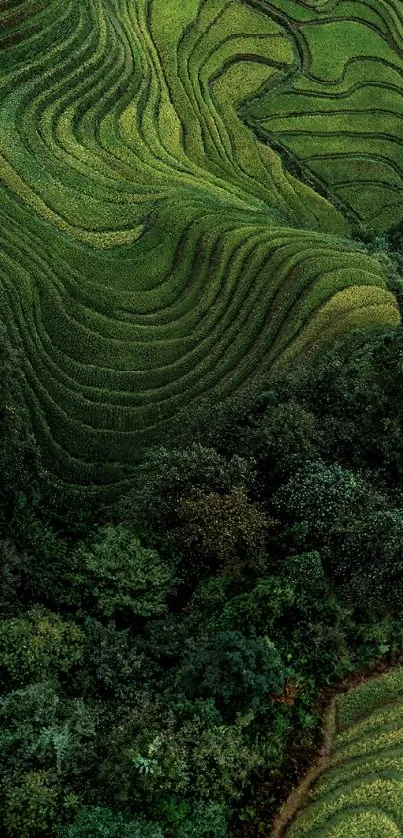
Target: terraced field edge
x,y
357,786
154,249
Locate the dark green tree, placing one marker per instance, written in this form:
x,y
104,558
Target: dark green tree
x,y
238,672
221,532
19,457
120,578
37,645
321,498
168,475
102,822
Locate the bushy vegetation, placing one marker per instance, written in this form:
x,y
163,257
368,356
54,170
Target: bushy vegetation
x,y
162,658
201,402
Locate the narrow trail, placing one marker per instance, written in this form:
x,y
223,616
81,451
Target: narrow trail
x,y
299,796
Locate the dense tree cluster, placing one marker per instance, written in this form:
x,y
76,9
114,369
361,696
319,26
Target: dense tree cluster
x,y
158,657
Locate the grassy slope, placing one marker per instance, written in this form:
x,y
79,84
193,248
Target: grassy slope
x,y
360,792
153,250
341,117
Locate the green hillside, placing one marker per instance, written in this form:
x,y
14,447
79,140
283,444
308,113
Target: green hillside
x,y
156,246
360,794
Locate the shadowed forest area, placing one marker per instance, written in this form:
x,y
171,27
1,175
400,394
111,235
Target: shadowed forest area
x,y
201,416
163,658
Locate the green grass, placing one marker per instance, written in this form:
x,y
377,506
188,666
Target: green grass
x,y
360,793
341,115
154,247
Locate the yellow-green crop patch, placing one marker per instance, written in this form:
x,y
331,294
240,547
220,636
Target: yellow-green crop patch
x,y
360,792
344,106
155,247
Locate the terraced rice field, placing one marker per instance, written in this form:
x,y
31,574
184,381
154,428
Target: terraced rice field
x,y
360,794
155,245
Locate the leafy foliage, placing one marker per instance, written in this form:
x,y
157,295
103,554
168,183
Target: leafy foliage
x,y
119,577
237,671
321,499
101,822
158,671
222,532
31,805
169,474
38,644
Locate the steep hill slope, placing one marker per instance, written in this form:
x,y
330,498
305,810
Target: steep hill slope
x,y
360,794
153,248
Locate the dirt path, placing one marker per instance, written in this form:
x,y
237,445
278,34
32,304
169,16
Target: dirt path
x,y
298,795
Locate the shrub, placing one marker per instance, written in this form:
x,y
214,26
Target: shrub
x,y
37,645
168,475
281,440
31,805
111,665
101,822
221,532
321,498
369,562
174,749
239,672
41,728
208,820
120,578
